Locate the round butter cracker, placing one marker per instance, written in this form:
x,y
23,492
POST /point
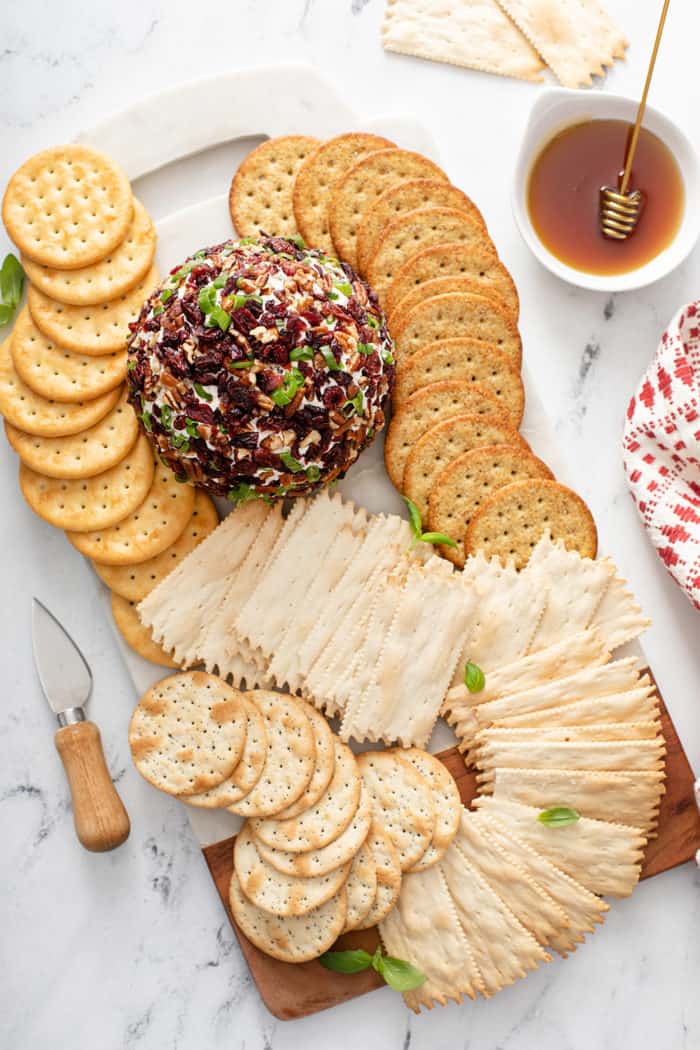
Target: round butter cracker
x,y
34,414
453,315
91,503
67,206
402,802
136,635
510,522
135,581
260,198
187,732
248,770
111,277
149,528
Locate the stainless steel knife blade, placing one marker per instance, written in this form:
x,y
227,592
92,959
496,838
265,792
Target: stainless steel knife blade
x,y
63,670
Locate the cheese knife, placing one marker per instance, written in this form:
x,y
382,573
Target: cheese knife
x,y
101,821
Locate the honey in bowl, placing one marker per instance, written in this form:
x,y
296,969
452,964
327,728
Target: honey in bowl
x,y
563,196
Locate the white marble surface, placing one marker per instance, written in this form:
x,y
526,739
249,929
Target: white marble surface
x,y
132,949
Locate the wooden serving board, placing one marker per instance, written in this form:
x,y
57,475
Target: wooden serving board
x,y
293,991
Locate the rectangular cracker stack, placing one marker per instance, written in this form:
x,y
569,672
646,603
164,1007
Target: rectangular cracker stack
x,y
343,628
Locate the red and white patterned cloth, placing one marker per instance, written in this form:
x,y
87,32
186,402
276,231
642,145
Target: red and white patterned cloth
x,y
662,449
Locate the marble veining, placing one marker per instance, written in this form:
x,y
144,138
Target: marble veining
x,y
132,949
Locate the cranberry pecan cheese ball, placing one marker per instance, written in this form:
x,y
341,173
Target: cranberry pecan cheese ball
x,y
260,368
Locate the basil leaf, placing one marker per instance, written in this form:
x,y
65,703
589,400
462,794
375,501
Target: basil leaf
x,y
301,353
6,313
290,462
351,961
558,816
437,537
414,515
202,392
473,677
399,974
11,280
330,360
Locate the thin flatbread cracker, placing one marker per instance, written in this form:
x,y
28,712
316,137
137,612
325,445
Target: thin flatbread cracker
x,y
618,617
576,38
505,618
583,909
431,615
503,948
475,34
424,930
180,608
588,683
575,588
556,754
532,906
605,858
640,704
220,645
630,797
565,733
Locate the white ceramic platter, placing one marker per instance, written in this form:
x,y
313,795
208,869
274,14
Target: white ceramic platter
x,y
180,149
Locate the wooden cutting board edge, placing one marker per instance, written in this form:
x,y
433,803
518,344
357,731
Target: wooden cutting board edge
x,y
293,991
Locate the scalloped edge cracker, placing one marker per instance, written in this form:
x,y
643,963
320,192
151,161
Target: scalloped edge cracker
x,y
603,755
637,704
168,609
576,38
475,34
424,929
583,909
530,903
618,617
605,858
503,948
629,797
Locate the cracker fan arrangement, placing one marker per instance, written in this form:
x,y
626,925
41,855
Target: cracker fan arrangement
x,y
258,371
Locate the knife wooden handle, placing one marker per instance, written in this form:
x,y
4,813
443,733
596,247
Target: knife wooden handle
x,y
101,822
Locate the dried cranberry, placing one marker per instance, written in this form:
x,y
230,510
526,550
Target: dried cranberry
x,y
333,397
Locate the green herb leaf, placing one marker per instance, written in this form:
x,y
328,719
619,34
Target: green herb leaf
x,y
351,961
356,403
290,462
558,816
473,677
313,473
330,360
241,493
6,313
11,280
290,384
301,353
180,442
202,392
414,515
438,537
400,975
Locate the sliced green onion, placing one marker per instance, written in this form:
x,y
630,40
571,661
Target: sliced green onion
x,y
330,360
290,462
202,392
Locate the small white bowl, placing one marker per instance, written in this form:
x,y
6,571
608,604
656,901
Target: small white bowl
x,y
559,108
